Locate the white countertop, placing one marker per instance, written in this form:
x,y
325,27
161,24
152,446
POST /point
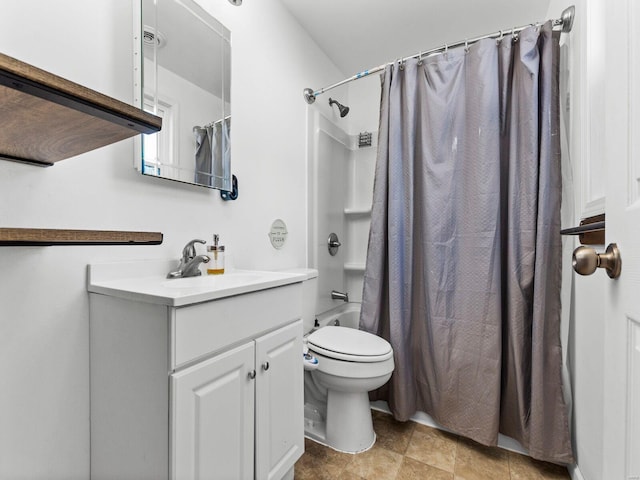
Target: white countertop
x,y
146,281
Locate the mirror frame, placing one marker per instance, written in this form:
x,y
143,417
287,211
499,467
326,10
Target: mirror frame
x,y
167,105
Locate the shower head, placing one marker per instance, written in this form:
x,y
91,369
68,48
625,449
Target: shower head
x,y
343,110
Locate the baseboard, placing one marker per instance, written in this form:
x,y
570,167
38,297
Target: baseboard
x,y
504,442
575,472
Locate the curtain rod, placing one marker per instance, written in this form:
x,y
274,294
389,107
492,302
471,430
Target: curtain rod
x,y
565,21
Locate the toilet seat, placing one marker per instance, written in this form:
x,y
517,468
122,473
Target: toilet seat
x,y
349,344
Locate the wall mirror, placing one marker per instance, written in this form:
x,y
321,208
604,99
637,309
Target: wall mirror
x,y
182,70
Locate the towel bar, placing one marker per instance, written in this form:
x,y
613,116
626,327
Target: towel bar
x,y
591,230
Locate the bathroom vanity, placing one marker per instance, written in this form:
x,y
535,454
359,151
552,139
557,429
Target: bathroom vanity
x,y
197,377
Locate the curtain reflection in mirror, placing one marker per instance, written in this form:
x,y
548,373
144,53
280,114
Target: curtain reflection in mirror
x,y
213,151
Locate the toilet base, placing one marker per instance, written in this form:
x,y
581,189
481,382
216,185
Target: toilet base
x,y
321,439
349,427
315,428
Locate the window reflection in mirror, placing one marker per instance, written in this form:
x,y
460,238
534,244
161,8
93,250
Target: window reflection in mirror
x,y
185,79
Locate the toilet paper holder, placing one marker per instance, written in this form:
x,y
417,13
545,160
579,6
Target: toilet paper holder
x,y
586,260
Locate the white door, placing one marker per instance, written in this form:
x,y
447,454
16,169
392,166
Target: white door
x,y
622,296
279,401
212,418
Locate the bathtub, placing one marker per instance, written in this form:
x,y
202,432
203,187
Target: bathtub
x,y
346,315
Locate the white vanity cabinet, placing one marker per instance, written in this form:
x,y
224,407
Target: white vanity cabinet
x,y
213,405
212,390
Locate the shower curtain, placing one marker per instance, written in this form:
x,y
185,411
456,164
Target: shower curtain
x,y
463,266
212,152
203,137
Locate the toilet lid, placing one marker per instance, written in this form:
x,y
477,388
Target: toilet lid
x,y
350,344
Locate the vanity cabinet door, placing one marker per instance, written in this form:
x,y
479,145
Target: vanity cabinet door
x,y
212,418
279,401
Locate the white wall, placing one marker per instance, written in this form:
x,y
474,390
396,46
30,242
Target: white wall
x,y
44,399
583,47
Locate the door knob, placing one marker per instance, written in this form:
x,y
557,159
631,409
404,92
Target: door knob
x,y
586,260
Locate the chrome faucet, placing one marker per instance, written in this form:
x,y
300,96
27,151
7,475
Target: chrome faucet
x,y
190,262
339,296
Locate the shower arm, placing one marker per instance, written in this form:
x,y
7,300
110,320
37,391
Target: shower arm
x,y
565,21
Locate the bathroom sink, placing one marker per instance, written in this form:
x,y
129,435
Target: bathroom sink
x,y
152,286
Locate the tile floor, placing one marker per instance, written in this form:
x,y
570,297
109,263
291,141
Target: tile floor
x,y
411,451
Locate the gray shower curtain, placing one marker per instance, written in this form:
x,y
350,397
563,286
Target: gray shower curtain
x,y
213,153
463,268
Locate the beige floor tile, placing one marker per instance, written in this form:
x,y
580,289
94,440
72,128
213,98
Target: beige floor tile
x,y
375,464
477,462
344,475
433,447
430,455
526,468
321,463
305,468
414,470
390,433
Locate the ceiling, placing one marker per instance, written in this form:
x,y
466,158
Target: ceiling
x,y
360,34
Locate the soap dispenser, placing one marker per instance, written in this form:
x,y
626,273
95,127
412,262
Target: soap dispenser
x,y
216,255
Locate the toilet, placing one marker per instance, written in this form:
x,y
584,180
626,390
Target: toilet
x,y
341,366
350,364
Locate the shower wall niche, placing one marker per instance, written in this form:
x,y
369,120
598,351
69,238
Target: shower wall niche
x,y
357,213
340,190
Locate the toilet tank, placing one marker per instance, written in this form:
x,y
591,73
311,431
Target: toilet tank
x,y
309,296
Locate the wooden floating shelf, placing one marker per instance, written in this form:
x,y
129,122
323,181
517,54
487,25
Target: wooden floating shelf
x,y
16,237
45,118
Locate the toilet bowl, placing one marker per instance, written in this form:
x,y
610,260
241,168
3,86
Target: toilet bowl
x,y
350,363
